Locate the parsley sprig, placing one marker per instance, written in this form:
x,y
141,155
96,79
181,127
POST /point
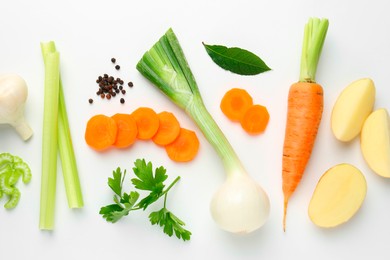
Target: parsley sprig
x,y
148,181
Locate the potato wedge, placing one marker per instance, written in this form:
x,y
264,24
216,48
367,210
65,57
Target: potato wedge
x,y
375,142
352,107
338,195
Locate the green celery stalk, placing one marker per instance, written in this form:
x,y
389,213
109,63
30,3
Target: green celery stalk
x,y
49,141
68,159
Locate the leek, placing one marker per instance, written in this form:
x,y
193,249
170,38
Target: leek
x,y
240,205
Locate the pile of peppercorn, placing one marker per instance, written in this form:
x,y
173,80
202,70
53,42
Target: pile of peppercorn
x,y
109,87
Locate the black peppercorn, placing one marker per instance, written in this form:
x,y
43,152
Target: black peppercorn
x,y
90,101
122,100
113,60
117,67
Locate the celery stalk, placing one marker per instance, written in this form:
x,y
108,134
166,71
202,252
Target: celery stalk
x,y
68,160
49,141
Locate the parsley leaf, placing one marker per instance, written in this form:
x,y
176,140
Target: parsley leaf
x,y
116,183
171,223
148,181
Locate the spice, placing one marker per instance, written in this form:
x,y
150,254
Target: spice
x,y
109,86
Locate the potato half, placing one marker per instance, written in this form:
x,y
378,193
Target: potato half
x,y
352,107
375,142
339,194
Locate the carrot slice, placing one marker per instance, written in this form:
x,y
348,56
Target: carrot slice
x,y
255,119
127,130
100,132
184,148
235,103
168,130
147,122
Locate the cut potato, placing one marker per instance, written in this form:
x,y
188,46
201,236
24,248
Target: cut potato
x,y
352,107
339,194
375,142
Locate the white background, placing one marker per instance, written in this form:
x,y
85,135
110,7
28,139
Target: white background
x,y
89,33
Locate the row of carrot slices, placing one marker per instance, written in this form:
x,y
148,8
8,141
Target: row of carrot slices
x,y
122,130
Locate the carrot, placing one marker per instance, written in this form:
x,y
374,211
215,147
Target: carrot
x,y
169,129
255,120
147,122
127,130
184,148
100,132
305,105
235,103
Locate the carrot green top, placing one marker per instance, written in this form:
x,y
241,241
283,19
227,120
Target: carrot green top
x,y
313,40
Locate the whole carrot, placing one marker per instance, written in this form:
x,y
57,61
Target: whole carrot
x,y
305,105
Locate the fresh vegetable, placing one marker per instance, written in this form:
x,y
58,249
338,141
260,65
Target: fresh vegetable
x,y
168,130
235,103
147,122
126,130
375,142
65,146
255,119
305,105
13,96
236,60
352,107
238,105
101,132
122,130
49,140
184,148
339,194
11,169
147,181
166,67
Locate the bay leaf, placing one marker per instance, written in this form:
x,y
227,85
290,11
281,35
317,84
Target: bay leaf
x,y
236,60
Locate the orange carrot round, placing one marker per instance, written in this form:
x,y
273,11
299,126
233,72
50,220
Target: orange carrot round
x,y
127,130
100,132
169,129
147,122
255,120
235,103
184,148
